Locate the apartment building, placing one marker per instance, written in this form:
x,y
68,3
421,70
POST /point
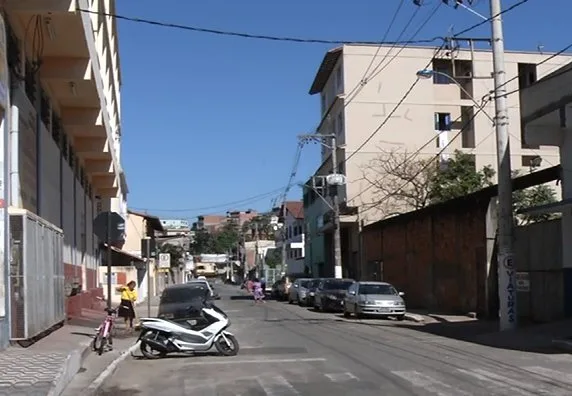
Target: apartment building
x,y
292,219
429,119
238,217
210,223
63,74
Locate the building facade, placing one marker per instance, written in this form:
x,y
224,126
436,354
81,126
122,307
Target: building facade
x,y
436,118
65,123
292,213
210,223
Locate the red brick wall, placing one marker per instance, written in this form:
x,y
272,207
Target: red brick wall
x,y
436,258
89,299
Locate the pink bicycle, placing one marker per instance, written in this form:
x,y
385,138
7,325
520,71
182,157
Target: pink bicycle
x,y
104,333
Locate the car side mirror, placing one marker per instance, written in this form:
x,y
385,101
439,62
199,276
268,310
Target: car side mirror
x,y
296,286
353,293
401,294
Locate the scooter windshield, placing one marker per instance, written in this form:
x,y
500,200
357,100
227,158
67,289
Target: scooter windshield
x,y
218,310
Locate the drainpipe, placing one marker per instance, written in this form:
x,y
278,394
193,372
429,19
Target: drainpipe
x,y
15,157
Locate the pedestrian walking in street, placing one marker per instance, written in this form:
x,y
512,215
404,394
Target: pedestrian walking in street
x,y
127,307
249,284
258,292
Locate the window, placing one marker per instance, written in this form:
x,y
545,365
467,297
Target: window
x,y
442,66
379,289
323,102
339,80
468,125
339,129
530,161
442,122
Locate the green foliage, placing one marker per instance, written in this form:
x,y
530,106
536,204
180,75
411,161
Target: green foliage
x,y
225,240
458,177
265,229
534,196
202,243
177,253
273,258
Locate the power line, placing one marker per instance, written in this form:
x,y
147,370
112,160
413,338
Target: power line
x,y
423,168
244,35
293,173
476,25
253,198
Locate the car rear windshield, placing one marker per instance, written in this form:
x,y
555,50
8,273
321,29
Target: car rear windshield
x,y
337,285
184,294
377,289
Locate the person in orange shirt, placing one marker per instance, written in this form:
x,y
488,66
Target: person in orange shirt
x,y
127,307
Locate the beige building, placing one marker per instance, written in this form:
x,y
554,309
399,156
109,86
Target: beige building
x,y
429,119
65,118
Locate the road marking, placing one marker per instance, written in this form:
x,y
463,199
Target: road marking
x,y
341,377
501,382
192,387
276,386
554,375
255,361
430,384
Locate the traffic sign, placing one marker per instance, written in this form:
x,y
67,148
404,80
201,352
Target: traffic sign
x,y
164,260
109,227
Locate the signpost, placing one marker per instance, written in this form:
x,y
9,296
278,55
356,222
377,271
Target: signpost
x,y
164,260
109,227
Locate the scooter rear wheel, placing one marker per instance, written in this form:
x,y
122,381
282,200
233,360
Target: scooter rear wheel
x,y
227,350
149,352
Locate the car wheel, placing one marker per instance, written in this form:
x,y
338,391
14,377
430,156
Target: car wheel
x,y
290,301
357,313
316,307
400,317
346,314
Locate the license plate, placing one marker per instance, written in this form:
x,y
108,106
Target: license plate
x,y
383,310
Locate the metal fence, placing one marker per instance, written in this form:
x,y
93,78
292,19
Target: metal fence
x,y
37,296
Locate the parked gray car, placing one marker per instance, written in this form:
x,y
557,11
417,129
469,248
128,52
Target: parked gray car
x,y
298,291
374,299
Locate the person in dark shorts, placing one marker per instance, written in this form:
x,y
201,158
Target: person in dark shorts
x,y
127,307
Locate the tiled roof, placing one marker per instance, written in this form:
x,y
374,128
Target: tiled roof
x,y
296,208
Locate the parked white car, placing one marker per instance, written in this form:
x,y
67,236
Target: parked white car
x,y
374,299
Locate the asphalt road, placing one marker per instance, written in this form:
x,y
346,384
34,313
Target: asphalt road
x,y
289,350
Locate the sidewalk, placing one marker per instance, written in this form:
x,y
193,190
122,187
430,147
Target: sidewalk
x,y
49,365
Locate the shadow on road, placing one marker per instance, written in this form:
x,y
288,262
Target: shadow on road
x,y
529,338
116,390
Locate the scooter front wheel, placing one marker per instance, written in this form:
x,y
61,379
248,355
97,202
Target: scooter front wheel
x,y
227,349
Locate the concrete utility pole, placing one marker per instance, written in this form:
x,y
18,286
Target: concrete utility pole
x,y
505,257
256,249
284,236
337,229
334,179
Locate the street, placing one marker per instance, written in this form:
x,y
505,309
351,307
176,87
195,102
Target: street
x,y
289,350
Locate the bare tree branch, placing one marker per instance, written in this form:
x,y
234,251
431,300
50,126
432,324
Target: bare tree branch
x,y
399,181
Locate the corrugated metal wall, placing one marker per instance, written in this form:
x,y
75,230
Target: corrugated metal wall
x,y
50,181
68,214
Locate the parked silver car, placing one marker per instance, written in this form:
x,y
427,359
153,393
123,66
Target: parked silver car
x,y
374,299
298,291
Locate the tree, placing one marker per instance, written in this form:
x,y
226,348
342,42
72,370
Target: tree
x,y
458,177
203,242
273,258
265,229
534,196
225,240
400,181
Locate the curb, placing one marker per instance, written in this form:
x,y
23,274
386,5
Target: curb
x,y
97,383
414,318
563,345
70,368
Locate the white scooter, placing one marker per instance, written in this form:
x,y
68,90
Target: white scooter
x,y
160,337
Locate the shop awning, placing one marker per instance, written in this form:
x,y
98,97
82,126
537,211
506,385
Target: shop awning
x,y
121,258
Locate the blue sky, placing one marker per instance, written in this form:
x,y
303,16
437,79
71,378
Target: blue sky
x,y
210,120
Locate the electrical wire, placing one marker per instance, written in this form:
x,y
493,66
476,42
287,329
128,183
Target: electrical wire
x,y
293,173
241,34
410,41
253,198
35,28
476,25
363,81
427,165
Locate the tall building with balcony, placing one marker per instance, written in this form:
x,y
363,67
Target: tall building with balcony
x,y
65,135
436,116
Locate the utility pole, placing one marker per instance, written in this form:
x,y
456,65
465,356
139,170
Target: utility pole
x,y
337,238
284,237
505,257
334,180
148,257
256,249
